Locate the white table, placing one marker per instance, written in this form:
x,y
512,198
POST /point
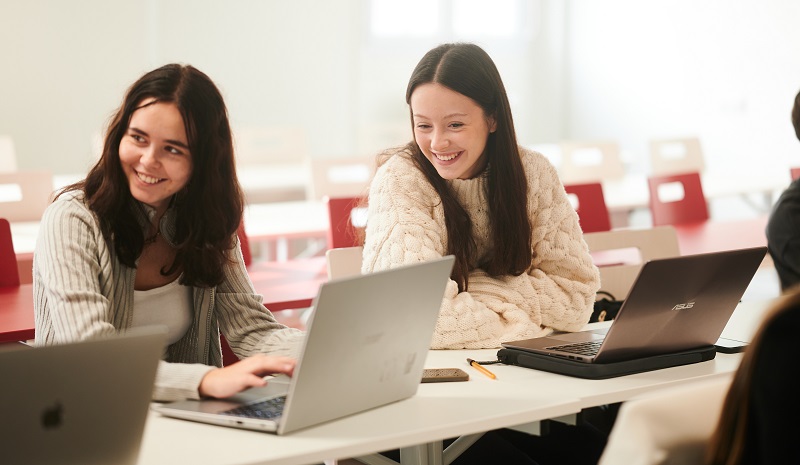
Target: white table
x,y
265,222
274,225
632,191
443,410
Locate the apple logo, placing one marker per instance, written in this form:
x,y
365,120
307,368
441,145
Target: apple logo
x,y
52,416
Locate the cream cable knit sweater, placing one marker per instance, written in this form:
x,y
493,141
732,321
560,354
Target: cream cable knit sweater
x,y
406,225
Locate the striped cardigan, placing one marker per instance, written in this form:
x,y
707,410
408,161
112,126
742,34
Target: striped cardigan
x,y
81,291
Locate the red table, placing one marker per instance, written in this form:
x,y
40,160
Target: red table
x,y
16,313
284,285
718,235
289,284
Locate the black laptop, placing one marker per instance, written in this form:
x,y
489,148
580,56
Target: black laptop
x,y
673,315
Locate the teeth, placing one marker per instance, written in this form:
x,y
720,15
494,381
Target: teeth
x,y
447,157
147,179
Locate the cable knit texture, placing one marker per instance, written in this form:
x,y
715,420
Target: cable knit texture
x,y
81,290
406,225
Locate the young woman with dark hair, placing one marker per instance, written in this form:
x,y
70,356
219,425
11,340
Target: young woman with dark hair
x,y
149,238
758,423
463,186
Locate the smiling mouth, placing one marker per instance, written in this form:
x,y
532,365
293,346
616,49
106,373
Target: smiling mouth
x,y
148,179
447,156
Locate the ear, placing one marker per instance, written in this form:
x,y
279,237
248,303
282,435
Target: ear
x,y
492,122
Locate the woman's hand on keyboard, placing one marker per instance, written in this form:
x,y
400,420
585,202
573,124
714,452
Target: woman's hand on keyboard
x,y
244,374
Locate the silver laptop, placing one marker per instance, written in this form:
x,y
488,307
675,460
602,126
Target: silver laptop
x,y
80,403
675,305
367,341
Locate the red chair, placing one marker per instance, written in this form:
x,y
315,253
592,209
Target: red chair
x,y
591,207
691,207
795,172
343,231
9,274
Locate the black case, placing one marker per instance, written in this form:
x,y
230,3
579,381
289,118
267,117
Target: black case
x,y
603,370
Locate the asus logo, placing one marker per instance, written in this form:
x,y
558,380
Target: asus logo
x,y
683,306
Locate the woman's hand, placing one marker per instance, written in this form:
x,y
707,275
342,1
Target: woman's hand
x,y
247,373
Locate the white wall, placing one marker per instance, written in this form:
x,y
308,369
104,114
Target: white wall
x,y
726,70
629,70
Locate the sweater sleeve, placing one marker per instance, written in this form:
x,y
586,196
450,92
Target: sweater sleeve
x,y
562,274
248,326
406,225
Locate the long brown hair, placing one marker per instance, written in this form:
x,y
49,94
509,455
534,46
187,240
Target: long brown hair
x,y
208,209
468,70
733,438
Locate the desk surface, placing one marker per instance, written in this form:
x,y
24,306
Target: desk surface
x,y
438,411
16,313
283,285
632,191
715,236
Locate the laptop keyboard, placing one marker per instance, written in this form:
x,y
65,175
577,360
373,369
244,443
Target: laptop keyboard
x,y
588,348
266,409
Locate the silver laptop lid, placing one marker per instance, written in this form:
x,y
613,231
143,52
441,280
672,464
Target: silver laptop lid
x,y
79,403
368,337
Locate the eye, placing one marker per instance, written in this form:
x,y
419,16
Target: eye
x,y
173,150
423,126
456,125
137,138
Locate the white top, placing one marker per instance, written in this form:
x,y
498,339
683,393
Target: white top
x,y
169,305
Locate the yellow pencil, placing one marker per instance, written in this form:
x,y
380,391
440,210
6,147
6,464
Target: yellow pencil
x,y
480,368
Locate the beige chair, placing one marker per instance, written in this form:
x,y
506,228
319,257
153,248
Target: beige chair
x,y
668,427
340,177
583,162
271,162
675,156
620,254
344,262
24,195
8,157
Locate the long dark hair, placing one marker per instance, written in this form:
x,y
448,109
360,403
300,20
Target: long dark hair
x,y
468,70
735,434
208,209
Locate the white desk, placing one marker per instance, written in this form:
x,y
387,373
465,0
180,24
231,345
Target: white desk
x,y
632,191
275,224
277,182
438,411
263,222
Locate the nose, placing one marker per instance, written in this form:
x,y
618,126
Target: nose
x,y
149,156
439,140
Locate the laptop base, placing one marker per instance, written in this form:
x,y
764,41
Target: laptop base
x,y
603,370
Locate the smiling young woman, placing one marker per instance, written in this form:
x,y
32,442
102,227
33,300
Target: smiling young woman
x,y
463,186
149,238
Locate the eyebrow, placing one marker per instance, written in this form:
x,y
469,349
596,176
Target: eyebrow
x,y
169,141
451,115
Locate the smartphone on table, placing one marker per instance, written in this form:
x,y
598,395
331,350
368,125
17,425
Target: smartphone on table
x,y
442,375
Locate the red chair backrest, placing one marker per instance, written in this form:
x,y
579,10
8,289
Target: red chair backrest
x,y
245,243
228,357
341,231
9,274
692,208
591,208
